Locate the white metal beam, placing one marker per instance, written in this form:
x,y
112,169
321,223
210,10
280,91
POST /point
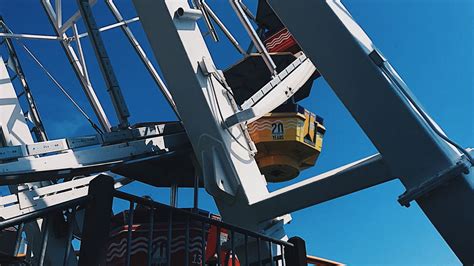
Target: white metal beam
x,y
71,20
12,120
16,132
86,161
34,199
336,183
79,69
230,172
59,12
385,109
30,36
105,65
278,90
112,26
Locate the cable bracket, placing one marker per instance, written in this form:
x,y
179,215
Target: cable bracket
x,y
462,167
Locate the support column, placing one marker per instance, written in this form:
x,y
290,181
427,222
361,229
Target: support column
x,y
97,217
296,255
229,170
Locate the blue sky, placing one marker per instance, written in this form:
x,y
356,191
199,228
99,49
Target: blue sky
x,y
429,42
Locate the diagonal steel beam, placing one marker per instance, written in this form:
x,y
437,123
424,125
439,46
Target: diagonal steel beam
x,y
79,69
105,65
356,176
410,142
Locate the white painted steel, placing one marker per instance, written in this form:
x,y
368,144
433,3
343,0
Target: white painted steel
x,y
281,88
377,99
230,173
79,69
30,36
12,120
70,160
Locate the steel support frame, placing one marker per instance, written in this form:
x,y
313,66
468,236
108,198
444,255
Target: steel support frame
x,y
180,55
296,255
241,14
77,63
33,199
69,163
63,27
105,65
207,9
141,53
343,54
112,26
16,132
230,172
97,222
347,179
38,128
29,36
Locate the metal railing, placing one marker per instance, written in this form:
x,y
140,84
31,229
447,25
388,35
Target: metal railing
x,y
236,246
168,235
47,215
152,233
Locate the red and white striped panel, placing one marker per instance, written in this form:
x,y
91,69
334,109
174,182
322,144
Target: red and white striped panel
x,y
282,41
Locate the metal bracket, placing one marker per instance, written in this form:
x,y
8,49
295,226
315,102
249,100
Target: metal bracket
x,y
31,199
460,168
209,69
275,92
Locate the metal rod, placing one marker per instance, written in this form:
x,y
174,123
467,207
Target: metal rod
x,y
270,252
174,195
208,22
170,235
44,241
251,44
78,69
61,88
82,59
104,63
74,18
232,252
218,245
112,26
203,243
141,53
282,251
246,243
129,232
59,13
70,229
259,258
186,242
236,5
19,233
247,11
224,29
30,36
196,193
151,228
